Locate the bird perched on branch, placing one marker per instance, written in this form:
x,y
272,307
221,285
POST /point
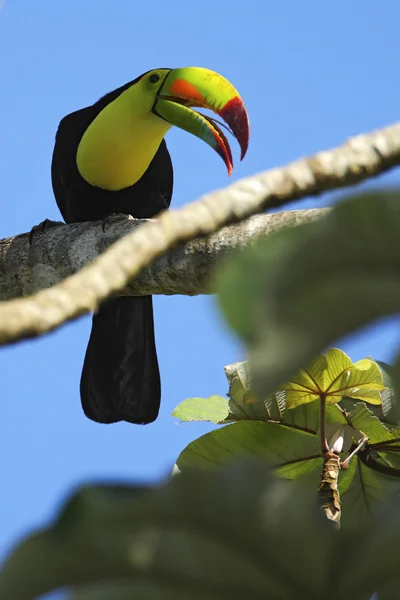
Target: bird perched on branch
x,y
111,158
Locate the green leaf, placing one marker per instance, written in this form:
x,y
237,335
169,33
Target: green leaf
x,y
377,560
244,403
364,420
291,451
387,410
242,281
214,409
292,448
388,407
395,388
382,453
334,376
143,591
372,473
288,440
363,492
233,534
297,291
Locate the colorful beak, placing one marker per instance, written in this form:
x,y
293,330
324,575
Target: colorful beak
x,y
197,87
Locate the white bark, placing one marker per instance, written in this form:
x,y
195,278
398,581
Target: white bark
x,y
63,251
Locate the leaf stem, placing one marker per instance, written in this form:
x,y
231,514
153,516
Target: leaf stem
x,y
344,464
322,424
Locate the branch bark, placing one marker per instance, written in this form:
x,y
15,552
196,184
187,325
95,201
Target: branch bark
x,y
328,493
358,159
63,251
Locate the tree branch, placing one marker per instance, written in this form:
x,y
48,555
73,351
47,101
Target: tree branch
x,y
358,159
63,251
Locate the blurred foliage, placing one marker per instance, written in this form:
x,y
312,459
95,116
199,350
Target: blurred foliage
x,y
295,292
233,533
230,524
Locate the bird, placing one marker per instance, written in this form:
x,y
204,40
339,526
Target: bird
x,y
111,158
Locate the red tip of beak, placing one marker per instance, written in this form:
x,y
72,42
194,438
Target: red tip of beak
x,y
235,115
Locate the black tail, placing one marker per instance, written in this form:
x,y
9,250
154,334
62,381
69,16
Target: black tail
x,y
120,377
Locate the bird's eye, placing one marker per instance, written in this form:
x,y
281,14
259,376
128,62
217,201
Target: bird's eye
x,y
154,78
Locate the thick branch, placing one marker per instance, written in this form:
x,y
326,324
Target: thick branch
x,y
63,251
360,158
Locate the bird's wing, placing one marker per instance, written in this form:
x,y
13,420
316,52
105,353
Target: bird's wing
x,y
63,166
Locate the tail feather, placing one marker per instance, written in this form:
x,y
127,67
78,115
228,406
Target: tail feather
x,y
120,378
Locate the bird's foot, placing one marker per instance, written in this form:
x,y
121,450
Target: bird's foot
x,y
115,218
43,226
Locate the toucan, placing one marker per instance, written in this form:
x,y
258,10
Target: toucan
x,y
111,158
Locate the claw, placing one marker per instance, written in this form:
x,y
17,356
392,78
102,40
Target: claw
x,y
115,218
43,226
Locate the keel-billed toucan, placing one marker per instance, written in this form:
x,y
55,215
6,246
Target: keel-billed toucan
x,y
109,158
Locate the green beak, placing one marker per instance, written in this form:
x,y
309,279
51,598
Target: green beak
x,y
196,87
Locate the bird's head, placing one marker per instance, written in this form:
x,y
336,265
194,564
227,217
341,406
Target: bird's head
x,y
129,130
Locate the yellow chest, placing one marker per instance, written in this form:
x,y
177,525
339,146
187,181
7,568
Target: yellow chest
x,y
118,146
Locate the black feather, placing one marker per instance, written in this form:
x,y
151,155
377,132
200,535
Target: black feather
x,y
121,364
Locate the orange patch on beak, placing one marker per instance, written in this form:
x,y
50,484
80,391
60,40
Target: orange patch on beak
x,y
184,89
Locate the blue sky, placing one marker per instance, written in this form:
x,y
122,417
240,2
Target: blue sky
x,y
311,74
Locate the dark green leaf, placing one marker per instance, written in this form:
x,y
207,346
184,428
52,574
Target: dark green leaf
x,y
235,533
377,559
300,289
394,374
291,451
363,492
372,472
167,590
388,407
